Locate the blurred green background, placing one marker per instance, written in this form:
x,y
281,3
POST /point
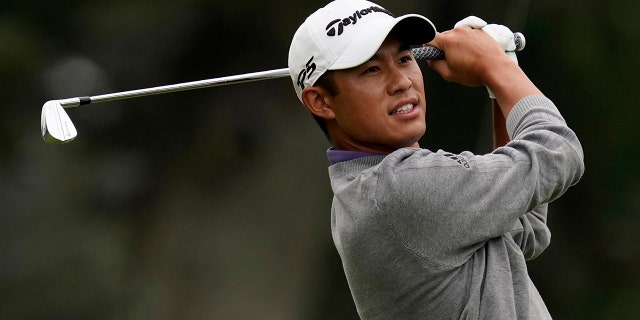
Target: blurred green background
x,y
214,204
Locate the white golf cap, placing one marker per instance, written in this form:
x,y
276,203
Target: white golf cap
x,y
345,34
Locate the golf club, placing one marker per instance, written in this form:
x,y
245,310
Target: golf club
x,y
57,128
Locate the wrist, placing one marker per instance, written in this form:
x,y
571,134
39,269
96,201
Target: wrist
x,y
497,70
508,83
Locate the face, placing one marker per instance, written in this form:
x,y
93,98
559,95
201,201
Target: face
x,y
381,104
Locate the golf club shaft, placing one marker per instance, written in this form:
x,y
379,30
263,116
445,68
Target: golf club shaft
x,y
247,77
420,54
423,53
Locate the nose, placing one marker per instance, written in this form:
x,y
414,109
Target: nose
x,y
398,81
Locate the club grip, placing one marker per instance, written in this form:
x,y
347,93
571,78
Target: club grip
x,y
433,53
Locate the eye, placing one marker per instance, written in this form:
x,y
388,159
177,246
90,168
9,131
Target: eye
x,y
371,69
406,59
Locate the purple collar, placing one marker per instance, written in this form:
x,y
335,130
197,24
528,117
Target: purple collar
x,y
337,156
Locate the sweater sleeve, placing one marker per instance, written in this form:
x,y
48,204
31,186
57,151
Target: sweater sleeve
x,y
444,207
531,233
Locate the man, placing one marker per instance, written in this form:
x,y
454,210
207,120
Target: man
x,y
423,234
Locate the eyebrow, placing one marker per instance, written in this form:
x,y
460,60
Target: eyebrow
x,y
401,47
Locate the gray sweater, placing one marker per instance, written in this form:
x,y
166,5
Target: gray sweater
x,y
435,235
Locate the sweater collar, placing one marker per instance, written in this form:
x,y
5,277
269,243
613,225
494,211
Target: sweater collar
x,y
337,156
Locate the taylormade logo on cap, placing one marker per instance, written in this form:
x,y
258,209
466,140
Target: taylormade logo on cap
x,y
346,33
352,19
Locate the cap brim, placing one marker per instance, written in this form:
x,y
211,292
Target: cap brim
x,y
412,29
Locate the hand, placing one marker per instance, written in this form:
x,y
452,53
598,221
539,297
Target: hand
x,y
502,35
471,56
504,38
474,57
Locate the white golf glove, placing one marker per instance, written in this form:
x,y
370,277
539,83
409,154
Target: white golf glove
x,y
502,35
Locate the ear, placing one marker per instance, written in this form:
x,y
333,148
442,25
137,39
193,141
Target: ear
x,y
314,98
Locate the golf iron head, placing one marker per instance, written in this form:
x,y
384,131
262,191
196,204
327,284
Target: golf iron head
x,y
56,125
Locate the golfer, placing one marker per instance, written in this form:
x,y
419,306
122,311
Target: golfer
x,y
429,234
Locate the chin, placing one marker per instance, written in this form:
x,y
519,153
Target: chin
x,y
415,139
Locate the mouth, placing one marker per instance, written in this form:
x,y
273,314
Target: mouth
x,y
403,109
